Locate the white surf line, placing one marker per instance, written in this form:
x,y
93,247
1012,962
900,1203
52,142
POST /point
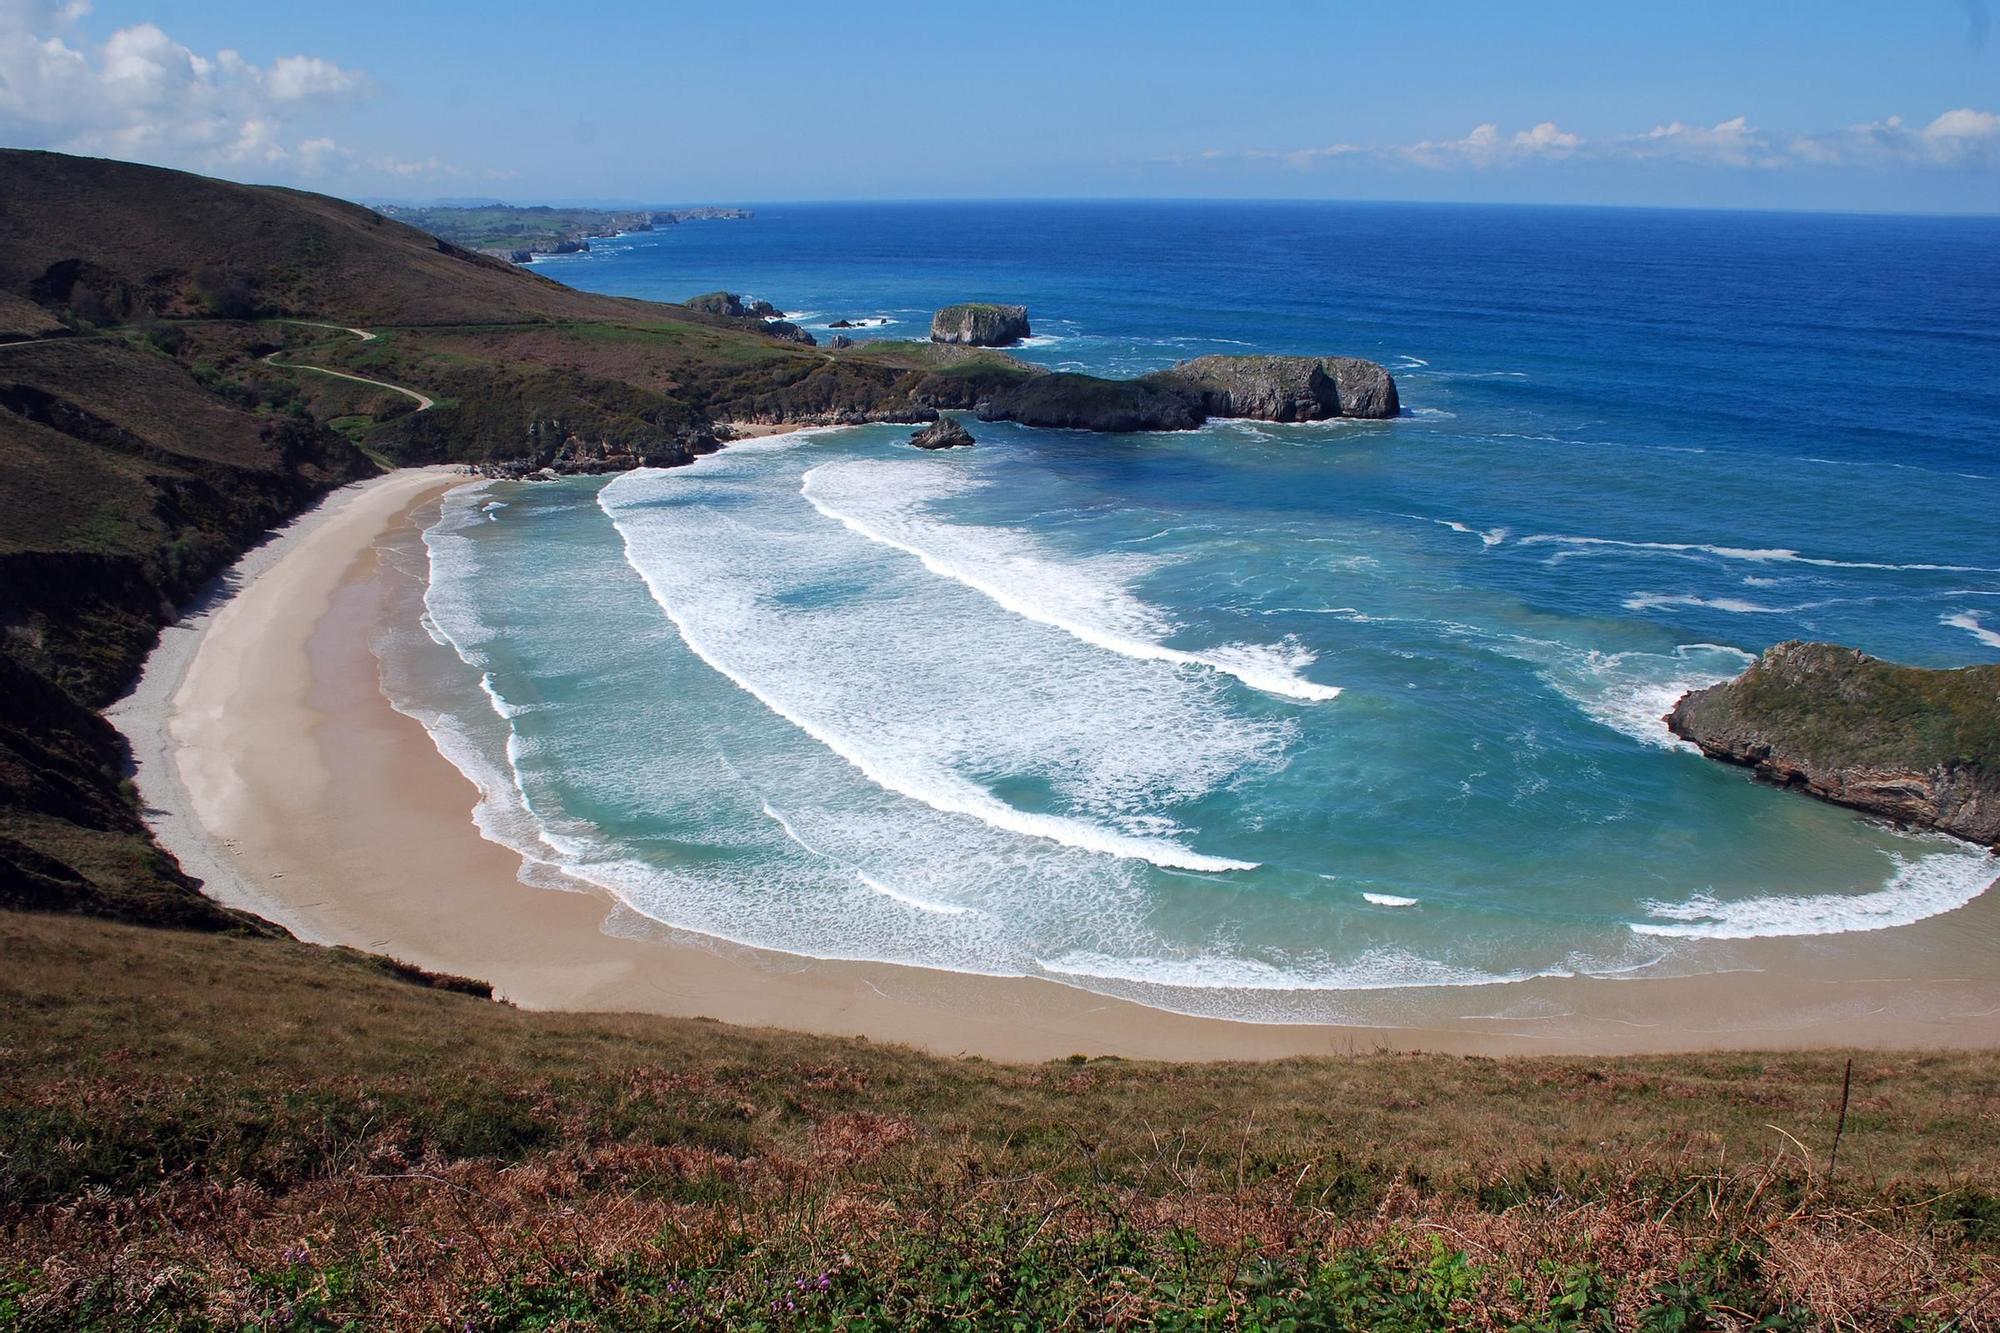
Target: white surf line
x,y
1758,555
910,899
1488,537
1256,677
952,795
1969,622
907,899
1919,887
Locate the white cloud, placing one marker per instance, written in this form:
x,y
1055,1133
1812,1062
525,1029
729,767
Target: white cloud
x,y
141,94
1486,146
1729,143
1962,138
302,78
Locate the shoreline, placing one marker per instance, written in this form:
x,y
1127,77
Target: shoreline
x,y
274,767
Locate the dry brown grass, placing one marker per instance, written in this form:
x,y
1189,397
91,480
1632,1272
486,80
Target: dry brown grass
x,y
226,1131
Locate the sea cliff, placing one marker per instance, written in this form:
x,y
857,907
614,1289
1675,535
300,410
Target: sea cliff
x,y
1267,388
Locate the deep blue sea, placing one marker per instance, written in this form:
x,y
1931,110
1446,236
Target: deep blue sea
x,y
1237,721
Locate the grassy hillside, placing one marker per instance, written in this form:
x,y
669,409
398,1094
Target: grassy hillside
x,y
219,1132
114,240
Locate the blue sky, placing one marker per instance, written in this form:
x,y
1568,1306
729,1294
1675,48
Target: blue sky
x,y
1837,104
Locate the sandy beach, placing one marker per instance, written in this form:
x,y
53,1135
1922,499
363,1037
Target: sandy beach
x,y
275,769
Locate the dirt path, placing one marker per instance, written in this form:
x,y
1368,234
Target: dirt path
x,y
363,334
424,401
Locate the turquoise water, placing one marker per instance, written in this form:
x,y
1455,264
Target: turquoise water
x,y
1239,721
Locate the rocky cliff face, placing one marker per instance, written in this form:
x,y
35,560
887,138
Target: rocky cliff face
x,y
1362,388
1918,746
977,324
1287,388
1268,388
1064,401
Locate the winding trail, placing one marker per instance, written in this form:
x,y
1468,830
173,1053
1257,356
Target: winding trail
x,y
424,401
363,334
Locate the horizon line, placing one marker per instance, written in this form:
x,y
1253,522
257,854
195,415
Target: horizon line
x,y
614,204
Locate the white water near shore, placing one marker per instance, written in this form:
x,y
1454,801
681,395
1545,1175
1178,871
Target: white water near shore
x,y
859,605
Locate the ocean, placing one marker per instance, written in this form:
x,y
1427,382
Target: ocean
x,y
1244,720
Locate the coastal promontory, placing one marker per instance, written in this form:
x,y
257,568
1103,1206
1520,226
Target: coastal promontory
x,y
1267,388
980,324
1916,745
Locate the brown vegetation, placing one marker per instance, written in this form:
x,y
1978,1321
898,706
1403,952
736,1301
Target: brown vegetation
x,y
216,1131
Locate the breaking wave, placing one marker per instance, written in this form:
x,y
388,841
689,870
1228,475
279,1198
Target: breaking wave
x,y
1089,599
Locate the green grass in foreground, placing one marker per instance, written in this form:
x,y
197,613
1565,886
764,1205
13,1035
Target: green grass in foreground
x,y
203,1132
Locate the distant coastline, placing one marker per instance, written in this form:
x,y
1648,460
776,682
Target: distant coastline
x,y
521,234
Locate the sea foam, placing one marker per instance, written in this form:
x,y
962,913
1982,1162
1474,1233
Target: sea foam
x,y
887,503
1756,554
1918,887
826,635
1969,622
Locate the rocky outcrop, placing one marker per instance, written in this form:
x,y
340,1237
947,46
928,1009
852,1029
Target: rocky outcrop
x,y
731,306
1919,746
1065,401
553,450
1287,388
969,383
944,433
979,324
785,331
839,342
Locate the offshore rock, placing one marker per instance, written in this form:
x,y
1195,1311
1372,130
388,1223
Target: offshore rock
x,y
944,433
980,324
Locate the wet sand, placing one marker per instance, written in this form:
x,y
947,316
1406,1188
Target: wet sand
x,y
278,772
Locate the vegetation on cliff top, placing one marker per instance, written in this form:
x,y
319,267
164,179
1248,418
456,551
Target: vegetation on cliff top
x,y
1834,707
